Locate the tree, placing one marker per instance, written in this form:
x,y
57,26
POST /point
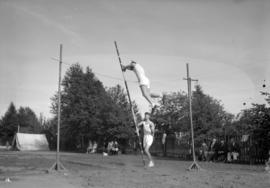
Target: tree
x,y
88,111
173,112
28,120
49,128
9,123
1,132
209,115
255,122
124,128
82,101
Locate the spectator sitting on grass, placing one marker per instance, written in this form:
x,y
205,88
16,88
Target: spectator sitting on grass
x,y
115,148
95,146
90,147
110,147
8,146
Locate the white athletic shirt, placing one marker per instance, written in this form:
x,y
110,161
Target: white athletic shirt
x,y
147,128
139,71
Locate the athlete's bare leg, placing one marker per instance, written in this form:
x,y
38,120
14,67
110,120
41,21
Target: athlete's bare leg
x,y
146,93
146,149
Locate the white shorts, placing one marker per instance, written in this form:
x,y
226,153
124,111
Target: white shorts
x,y
147,140
145,82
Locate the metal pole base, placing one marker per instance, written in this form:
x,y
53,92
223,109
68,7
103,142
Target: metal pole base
x,y
194,166
58,167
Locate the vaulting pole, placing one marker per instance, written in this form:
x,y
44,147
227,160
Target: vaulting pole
x,y
130,102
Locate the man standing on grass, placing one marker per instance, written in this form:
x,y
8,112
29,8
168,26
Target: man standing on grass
x,y
148,136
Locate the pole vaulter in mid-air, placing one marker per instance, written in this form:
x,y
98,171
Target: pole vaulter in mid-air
x,y
144,83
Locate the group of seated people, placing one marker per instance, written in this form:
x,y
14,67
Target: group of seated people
x,y
92,147
219,151
113,148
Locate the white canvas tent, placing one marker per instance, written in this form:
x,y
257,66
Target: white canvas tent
x,y
30,142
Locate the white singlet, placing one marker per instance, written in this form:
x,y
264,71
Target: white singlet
x,y
147,128
139,71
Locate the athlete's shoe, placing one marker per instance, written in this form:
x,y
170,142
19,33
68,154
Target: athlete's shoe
x,y
151,164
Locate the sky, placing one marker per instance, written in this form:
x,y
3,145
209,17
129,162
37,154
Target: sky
x,y
226,44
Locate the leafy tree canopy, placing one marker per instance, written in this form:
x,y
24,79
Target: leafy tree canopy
x,y
90,111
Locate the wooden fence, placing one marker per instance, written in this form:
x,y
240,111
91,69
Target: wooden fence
x,y
250,150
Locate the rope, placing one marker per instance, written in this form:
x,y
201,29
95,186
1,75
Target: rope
x,y
160,81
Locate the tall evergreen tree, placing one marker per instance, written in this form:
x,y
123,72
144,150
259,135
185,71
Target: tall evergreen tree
x,y
28,120
81,104
9,123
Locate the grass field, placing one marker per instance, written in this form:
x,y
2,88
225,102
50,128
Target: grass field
x,y
28,169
